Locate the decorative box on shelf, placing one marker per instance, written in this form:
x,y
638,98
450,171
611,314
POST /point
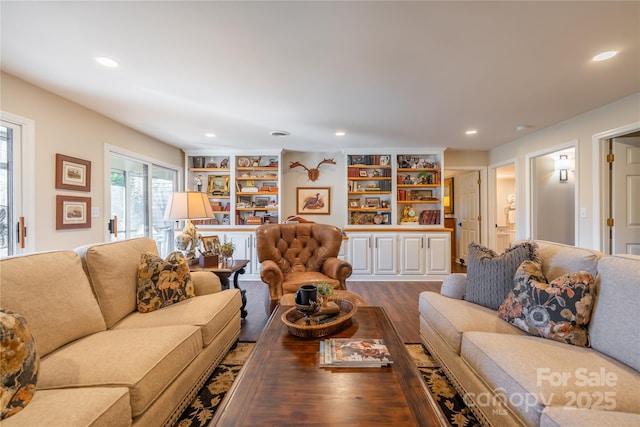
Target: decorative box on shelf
x,y
208,261
254,220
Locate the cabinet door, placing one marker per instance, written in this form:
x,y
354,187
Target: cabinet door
x,y
438,254
243,243
360,253
385,253
412,254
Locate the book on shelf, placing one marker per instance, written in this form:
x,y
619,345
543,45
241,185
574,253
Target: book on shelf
x,y
354,353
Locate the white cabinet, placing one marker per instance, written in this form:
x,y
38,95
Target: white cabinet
x,y
385,253
438,253
245,248
398,256
412,254
360,253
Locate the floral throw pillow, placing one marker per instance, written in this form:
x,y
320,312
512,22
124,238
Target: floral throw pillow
x,y
559,310
19,363
163,282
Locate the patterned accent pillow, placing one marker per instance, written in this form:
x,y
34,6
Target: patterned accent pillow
x,y
490,276
163,282
19,363
559,310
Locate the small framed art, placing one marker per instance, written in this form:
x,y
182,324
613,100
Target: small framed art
x,y
72,173
73,212
313,200
211,245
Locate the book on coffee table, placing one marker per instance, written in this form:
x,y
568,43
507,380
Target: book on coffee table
x,y
354,353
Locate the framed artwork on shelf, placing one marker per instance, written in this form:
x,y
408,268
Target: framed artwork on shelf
x,y
354,203
261,202
448,196
372,202
72,173
73,212
363,173
313,200
211,245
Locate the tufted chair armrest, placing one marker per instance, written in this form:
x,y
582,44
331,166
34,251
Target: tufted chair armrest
x,y
337,269
271,274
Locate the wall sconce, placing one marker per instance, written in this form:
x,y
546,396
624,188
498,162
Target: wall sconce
x,y
563,164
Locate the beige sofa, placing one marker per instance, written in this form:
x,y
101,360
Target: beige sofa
x,y
510,378
102,362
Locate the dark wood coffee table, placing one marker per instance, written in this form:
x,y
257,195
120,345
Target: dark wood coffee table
x,y
282,384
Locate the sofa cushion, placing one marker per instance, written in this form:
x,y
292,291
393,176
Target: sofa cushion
x,y
113,271
86,406
209,312
490,276
51,291
558,259
531,372
559,310
145,360
451,318
560,416
162,282
614,328
18,363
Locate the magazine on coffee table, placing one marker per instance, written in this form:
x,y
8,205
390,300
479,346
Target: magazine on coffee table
x,y
354,353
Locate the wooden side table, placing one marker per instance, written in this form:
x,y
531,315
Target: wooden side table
x,y
224,271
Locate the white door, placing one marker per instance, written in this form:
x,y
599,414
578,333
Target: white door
x,y
412,254
438,254
385,253
626,171
360,253
468,188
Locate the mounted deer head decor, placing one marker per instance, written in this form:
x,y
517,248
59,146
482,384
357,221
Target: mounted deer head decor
x,y
314,174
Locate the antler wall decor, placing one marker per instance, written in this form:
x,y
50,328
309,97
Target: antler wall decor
x,y
314,174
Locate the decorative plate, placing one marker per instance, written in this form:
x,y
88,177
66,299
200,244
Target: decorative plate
x,y
377,219
244,162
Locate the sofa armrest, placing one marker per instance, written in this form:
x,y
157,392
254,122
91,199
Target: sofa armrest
x,y
337,269
454,286
205,282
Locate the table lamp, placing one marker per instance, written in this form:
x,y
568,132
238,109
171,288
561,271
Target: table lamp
x,y
188,205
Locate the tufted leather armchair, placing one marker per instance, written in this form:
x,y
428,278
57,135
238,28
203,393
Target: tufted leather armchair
x,y
293,255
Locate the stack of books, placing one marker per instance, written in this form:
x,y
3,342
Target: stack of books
x,y
354,353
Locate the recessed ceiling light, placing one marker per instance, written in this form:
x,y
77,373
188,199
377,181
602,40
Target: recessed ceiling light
x,y
279,133
605,55
107,62
520,128
341,133
471,132
210,135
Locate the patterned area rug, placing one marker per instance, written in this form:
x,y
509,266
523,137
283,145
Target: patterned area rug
x,y
201,410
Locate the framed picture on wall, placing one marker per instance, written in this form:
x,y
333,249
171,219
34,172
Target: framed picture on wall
x,y
313,200
73,212
72,173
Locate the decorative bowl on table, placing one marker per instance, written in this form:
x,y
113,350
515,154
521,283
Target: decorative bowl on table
x,y
296,321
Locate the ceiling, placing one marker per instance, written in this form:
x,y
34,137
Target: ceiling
x,y
389,74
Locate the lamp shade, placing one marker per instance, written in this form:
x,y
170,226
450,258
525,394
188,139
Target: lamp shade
x,y
188,205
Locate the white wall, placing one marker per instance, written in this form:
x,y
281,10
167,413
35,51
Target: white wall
x,y
64,127
581,129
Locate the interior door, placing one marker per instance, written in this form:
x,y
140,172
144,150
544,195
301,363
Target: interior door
x,y
626,176
468,186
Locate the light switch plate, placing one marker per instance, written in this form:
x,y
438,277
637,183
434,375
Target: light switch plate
x,y
95,212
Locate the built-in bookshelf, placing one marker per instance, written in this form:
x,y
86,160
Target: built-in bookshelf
x,y
211,174
370,186
419,189
256,192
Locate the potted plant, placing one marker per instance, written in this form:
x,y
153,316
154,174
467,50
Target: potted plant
x,y
325,290
226,249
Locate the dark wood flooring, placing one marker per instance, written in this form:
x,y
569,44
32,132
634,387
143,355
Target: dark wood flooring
x,y
399,299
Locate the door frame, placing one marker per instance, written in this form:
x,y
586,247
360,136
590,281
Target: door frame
x,y
600,203
529,157
484,229
27,179
492,215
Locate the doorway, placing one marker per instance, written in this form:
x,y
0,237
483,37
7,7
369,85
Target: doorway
x,y
505,207
553,196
